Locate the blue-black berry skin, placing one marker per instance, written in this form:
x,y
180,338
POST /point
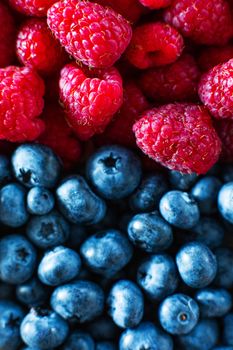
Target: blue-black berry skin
x,y
180,181
224,277
225,201
228,329
5,170
213,302
208,231
40,201
222,347
103,328
32,292
79,340
105,345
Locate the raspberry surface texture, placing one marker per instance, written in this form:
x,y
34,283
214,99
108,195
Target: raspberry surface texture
x,y
7,36
155,4
90,97
225,132
205,22
212,56
154,44
21,102
36,8
93,34
179,136
216,89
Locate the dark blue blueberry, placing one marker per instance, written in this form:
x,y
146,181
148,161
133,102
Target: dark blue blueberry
x,y
228,329
43,329
213,302
13,210
58,266
105,345
181,181
40,201
125,304
179,209
197,265
227,172
103,328
31,293
145,336
148,194
36,165
222,347
225,201
11,316
150,232
205,193
78,203
178,314
77,236
209,231
49,230
79,340
224,277
158,276
203,337
106,252
114,171
17,259
5,170
82,301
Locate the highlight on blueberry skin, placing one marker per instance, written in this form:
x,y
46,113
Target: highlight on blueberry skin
x,y
40,201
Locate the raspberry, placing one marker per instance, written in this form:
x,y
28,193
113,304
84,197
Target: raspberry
x,y
176,82
154,44
179,136
59,136
21,102
206,22
216,89
225,132
7,36
37,48
212,56
91,33
91,97
36,8
155,4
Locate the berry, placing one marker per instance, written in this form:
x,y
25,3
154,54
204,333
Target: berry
x,y
224,277
182,181
208,231
93,34
210,57
228,328
167,135
103,328
208,22
40,201
21,102
154,44
36,8
130,9
32,293
225,201
213,302
5,170
225,132
7,37
176,82
79,340
105,345
155,4
37,48
90,97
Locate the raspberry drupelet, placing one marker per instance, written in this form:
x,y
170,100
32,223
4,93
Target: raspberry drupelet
x,y
225,132
93,34
91,97
155,4
179,136
210,57
36,8
154,44
21,102
7,37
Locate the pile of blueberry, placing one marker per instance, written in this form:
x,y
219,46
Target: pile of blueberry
x,y
112,257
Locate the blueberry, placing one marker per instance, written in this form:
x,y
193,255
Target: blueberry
x,y
205,193
103,328
228,329
78,203
178,314
5,170
114,171
150,232
147,195
13,196
105,345
31,293
81,301
79,340
213,302
125,304
197,265
17,259
58,266
145,336
36,165
49,230
11,315
43,329
225,201
40,201
224,277
106,252
158,276
209,231
203,337
222,347
179,209
181,181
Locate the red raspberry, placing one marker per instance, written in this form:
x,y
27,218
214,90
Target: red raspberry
x,y
155,4
36,8
91,33
154,44
216,90
91,97
179,136
37,48
119,129
21,102
59,136
225,132
204,21
212,56
176,82
7,36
